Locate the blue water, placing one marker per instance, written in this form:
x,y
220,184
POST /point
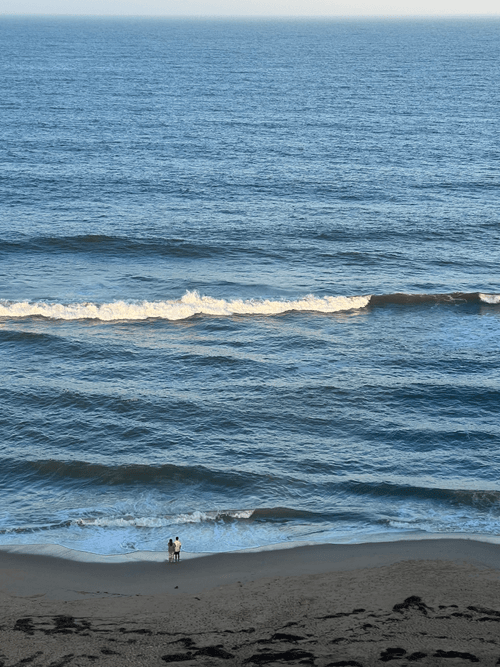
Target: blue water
x,y
249,287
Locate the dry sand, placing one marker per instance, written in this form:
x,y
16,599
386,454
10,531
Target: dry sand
x,y
429,602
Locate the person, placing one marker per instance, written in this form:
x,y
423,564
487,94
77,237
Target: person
x,y
171,550
177,550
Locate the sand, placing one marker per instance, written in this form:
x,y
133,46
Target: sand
x,y
428,602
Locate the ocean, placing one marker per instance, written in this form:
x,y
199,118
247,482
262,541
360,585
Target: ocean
x,y
249,288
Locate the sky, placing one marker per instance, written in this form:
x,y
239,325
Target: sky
x,y
387,8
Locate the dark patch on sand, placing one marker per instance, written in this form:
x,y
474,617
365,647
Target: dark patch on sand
x,y
410,632
274,656
25,625
418,655
341,614
392,654
413,603
456,654
177,657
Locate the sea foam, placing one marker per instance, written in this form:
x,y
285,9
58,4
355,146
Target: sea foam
x,y
192,304
189,305
492,299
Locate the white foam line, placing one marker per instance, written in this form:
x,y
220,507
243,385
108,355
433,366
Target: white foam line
x,y
57,551
190,304
155,522
490,298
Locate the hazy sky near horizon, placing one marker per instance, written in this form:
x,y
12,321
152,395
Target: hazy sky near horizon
x,y
389,8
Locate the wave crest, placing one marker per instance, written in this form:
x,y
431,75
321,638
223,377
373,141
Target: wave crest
x,y
163,521
192,304
493,299
189,305
220,516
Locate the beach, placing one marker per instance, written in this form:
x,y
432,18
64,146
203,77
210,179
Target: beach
x,y
426,602
249,296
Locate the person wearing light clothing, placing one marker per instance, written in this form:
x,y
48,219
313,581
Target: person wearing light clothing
x,y
177,550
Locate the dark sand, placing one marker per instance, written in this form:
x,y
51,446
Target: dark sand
x,y
429,602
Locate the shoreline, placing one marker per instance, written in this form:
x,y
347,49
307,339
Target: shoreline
x,y
68,553
426,601
56,577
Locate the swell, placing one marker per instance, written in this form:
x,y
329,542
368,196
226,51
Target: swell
x,y
116,246
192,304
93,474
403,299
473,498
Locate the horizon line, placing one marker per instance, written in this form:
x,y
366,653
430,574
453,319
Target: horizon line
x,y
255,16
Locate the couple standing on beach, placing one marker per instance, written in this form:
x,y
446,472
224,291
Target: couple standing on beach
x,y
174,550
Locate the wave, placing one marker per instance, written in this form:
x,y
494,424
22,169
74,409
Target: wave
x,y
17,530
279,514
192,304
196,517
101,244
167,520
89,474
401,298
493,299
118,246
358,495
189,305
171,475
331,525
483,499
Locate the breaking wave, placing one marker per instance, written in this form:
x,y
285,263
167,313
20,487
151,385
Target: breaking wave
x,y
167,520
189,305
493,299
129,521
192,304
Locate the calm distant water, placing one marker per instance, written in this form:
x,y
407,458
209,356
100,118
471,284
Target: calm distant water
x,y
249,287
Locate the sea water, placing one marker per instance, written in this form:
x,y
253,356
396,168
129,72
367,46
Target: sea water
x,y
249,285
